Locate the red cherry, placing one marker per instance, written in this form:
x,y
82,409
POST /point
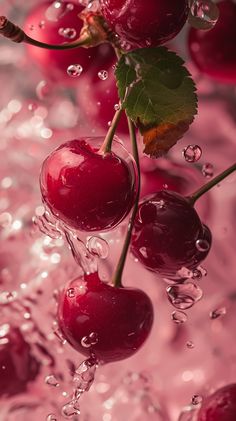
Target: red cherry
x,y
45,23
17,365
220,406
169,235
142,24
87,190
214,51
99,319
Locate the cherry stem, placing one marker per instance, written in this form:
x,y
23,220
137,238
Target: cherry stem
x,y
106,146
117,277
208,186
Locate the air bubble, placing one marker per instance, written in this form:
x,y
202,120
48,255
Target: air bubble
x,y
204,14
68,33
74,70
208,170
202,245
179,317
98,247
192,153
196,399
103,74
219,312
51,381
184,296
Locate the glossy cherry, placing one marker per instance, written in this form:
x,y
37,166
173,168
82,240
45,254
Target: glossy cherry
x,y
220,406
88,190
97,318
214,51
18,367
45,23
142,24
169,235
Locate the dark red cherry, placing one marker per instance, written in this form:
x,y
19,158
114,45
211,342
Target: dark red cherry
x,y
169,235
220,406
45,23
214,51
142,24
97,318
17,365
88,190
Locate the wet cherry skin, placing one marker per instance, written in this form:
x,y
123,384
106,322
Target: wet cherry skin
x,y
87,190
118,320
142,24
220,406
17,365
54,63
165,233
214,51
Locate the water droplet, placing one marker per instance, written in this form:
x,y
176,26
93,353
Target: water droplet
x,y
103,74
184,296
219,312
202,270
51,381
192,153
42,89
117,107
93,338
179,317
190,345
69,410
68,33
208,170
51,417
84,375
74,70
5,220
88,341
98,247
204,14
197,274
70,292
85,342
196,399
202,245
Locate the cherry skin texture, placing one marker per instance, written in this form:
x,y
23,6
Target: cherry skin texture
x,y
142,24
46,29
165,233
118,320
17,366
220,406
87,190
214,51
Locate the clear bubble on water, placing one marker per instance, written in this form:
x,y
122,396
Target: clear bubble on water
x,y
202,245
219,312
204,14
192,153
179,317
68,33
103,74
74,70
196,399
51,380
184,296
98,247
208,170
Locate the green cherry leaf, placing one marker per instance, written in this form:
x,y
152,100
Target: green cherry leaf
x,y
158,94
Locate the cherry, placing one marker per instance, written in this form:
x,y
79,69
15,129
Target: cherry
x,y
88,190
220,406
99,319
45,23
17,365
169,235
144,25
214,51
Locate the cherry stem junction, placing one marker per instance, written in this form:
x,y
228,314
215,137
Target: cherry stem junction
x,y
117,277
208,186
106,146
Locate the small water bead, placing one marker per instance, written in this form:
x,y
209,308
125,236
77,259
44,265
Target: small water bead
x,y
51,417
103,74
98,247
202,245
88,341
74,70
196,399
184,296
219,312
179,317
208,170
202,270
204,14
51,381
69,410
70,292
192,153
190,345
68,33
42,89
117,107
197,274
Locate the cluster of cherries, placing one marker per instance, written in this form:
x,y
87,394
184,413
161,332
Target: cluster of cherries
x,y
93,189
